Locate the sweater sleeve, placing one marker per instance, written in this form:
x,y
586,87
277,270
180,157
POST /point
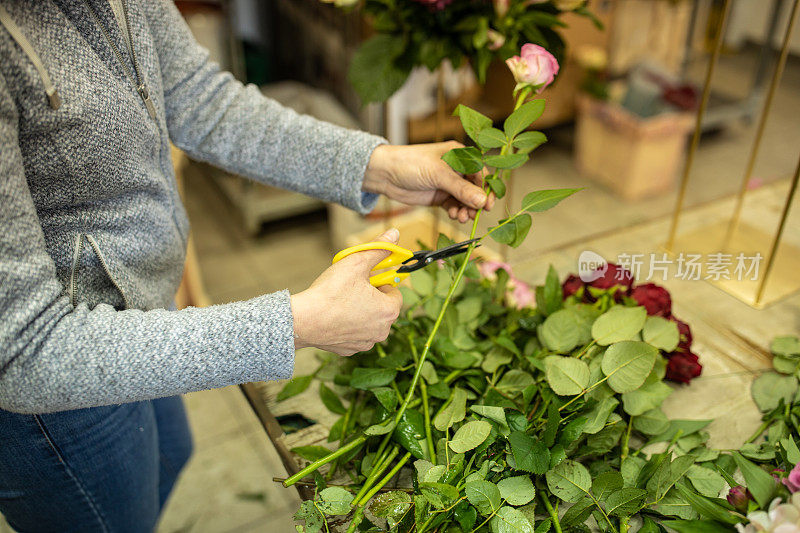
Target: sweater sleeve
x,y
55,357
215,118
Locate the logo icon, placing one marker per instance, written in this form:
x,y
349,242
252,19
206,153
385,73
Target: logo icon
x,y
591,266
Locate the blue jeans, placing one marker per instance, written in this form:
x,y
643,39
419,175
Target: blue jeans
x,y
106,469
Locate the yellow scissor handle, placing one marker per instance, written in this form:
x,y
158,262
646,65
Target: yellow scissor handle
x,y
398,255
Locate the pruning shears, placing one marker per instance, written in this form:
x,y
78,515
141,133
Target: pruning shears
x,y
402,261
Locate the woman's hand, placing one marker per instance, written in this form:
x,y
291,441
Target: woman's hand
x,y
341,312
416,175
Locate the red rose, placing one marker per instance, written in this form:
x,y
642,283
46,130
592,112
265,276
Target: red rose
x,y
685,343
683,367
571,285
615,275
654,298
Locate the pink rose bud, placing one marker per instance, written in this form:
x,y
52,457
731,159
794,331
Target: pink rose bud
x,y
534,66
738,497
792,481
495,39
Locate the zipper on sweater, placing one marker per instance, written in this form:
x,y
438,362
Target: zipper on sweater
x,y
134,77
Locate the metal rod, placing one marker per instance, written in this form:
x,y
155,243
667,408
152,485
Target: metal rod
x,y
776,242
733,225
698,129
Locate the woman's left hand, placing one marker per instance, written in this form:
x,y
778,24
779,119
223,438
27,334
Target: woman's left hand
x,y
416,175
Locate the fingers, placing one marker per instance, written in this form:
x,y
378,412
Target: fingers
x,y
368,259
394,296
462,189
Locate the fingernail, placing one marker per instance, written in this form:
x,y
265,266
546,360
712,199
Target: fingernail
x,y
393,234
479,200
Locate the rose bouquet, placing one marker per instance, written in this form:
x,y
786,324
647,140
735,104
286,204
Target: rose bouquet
x,y
412,33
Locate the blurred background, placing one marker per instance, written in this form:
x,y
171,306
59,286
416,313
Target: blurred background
x,y
619,118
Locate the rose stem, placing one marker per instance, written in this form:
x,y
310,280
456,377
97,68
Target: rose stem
x,y
426,411
380,466
323,461
360,504
552,512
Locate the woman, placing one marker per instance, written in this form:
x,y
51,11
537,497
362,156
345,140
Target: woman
x,y
92,434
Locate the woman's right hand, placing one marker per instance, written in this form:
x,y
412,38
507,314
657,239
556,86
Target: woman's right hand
x,y
341,312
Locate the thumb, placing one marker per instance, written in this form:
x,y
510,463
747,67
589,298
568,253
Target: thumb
x,y
462,189
370,258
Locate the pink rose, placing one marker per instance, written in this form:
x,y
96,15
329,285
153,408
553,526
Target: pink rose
x,y
792,481
534,66
501,7
495,39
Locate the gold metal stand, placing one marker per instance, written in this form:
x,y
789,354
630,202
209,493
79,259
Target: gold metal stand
x,y
778,278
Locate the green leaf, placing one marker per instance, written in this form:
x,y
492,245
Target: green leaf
x,y
391,505
469,309
472,121
386,397
422,282
706,481
523,117
567,376
506,161
760,484
497,186
538,201
706,507
470,435
335,501
606,483
368,378
792,452
313,517
514,381
454,412
496,358
294,387
627,364
529,140
491,138
596,418
383,428
550,298
649,396
696,526
530,455
410,433
673,504
618,324
569,480
466,516
770,387
466,160
510,520
625,502
331,400
512,231
651,422
484,495
787,346
375,72
497,414
517,490
560,332
311,453
440,495
686,427
544,526
661,333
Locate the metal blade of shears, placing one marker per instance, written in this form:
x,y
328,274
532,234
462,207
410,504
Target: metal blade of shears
x,y
425,257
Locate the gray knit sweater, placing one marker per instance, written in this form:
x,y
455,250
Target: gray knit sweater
x,y
92,231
